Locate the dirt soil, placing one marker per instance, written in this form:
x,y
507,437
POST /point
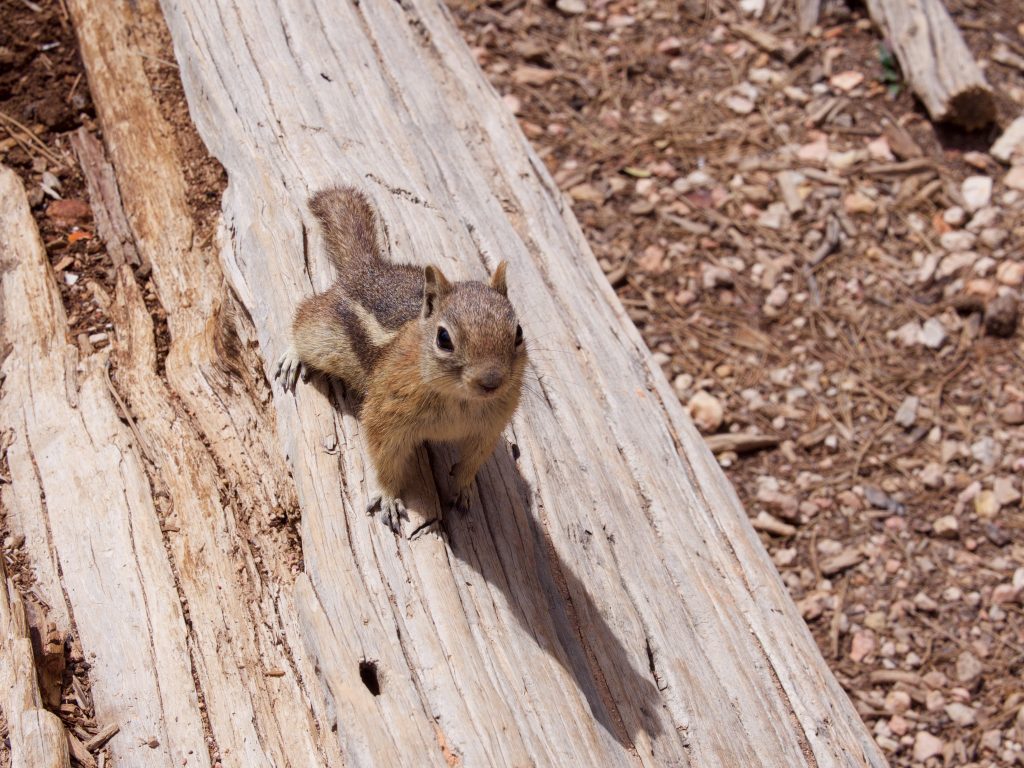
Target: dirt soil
x,y
856,322
845,312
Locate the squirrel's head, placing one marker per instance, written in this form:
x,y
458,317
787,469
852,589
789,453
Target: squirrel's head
x,y
473,343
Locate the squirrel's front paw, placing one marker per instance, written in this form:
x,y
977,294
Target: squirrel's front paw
x,y
289,368
392,511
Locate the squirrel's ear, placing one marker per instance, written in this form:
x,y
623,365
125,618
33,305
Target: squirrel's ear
x,y
498,279
435,286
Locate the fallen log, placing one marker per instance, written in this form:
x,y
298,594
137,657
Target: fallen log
x,y
936,61
36,736
604,525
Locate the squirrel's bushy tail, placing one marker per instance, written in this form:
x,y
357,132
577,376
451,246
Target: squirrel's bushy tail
x,y
350,226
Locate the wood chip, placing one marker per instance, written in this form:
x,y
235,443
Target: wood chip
x,y
740,443
845,559
79,753
771,524
102,736
898,169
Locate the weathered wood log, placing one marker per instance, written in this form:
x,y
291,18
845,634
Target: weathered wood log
x,y
36,735
607,600
935,60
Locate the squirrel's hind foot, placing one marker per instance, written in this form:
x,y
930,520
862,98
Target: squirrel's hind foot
x,y
289,368
392,511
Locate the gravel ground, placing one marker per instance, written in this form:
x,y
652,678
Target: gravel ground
x,y
832,283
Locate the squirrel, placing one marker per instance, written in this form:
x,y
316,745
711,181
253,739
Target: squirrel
x,y
431,359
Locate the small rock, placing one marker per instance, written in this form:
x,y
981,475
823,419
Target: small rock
x,y
977,192
571,7
1003,594
986,217
705,410
514,104
879,499
815,152
879,149
908,334
784,557
926,746
1010,143
670,45
947,527
933,333
992,740
1011,273
858,202
993,237
863,645
968,668
985,505
996,535
987,451
955,216
906,414
1012,414
961,714
1002,315
739,104
954,262
846,81
931,475
789,186
1014,179
934,701
776,216
714,276
925,602
957,240
897,702
1004,492
777,297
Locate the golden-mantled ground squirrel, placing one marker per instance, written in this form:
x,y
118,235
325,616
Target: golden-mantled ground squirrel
x,y
432,359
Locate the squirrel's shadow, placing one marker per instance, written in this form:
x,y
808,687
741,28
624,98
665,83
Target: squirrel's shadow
x,y
502,540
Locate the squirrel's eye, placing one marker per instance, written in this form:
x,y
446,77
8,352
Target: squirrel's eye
x,y
519,335
444,340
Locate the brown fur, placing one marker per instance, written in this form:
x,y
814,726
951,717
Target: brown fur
x,y
377,329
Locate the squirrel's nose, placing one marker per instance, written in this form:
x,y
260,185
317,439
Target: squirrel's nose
x,y
490,380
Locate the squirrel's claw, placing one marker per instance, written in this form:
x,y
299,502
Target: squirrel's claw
x,y
392,511
289,367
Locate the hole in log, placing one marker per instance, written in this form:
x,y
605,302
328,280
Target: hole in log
x,y
368,674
